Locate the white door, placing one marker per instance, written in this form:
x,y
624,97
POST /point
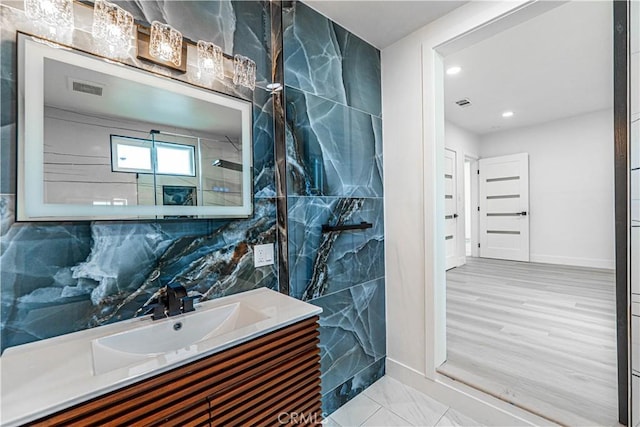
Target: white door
x,y
450,210
504,207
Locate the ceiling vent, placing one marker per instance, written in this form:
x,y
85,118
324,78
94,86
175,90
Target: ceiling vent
x,y
85,87
464,102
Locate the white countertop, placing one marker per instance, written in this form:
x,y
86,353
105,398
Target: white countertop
x,y
43,377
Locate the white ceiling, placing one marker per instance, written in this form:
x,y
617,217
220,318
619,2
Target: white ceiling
x,y
382,23
131,101
556,65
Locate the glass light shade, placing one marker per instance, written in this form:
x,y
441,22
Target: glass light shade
x,y
112,28
210,60
55,16
165,43
244,72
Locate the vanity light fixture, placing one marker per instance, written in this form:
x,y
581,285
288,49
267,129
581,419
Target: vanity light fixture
x,y
451,71
244,72
113,29
162,44
166,43
507,114
210,60
54,18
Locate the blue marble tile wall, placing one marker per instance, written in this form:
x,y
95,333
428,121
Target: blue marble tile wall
x,y
58,278
334,176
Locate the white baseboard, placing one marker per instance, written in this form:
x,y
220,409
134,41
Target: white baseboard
x,y
578,262
473,403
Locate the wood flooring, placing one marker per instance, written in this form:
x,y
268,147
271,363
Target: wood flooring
x,y
540,336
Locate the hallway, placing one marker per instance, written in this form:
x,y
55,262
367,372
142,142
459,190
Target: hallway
x,y
540,336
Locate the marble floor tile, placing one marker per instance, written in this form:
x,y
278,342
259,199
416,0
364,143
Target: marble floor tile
x,y
453,418
355,412
384,417
330,422
390,403
408,403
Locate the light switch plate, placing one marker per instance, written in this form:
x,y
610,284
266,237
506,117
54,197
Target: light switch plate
x,y
263,255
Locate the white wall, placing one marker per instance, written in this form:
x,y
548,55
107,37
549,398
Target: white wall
x,y
465,144
78,163
461,141
410,163
78,160
571,189
413,155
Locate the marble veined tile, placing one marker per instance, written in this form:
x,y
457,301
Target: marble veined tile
x,y
331,150
385,418
324,59
408,403
263,153
330,422
7,213
356,411
63,278
453,418
352,387
312,58
352,331
32,275
322,263
360,72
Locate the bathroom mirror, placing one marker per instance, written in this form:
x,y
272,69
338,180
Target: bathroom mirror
x,y
102,140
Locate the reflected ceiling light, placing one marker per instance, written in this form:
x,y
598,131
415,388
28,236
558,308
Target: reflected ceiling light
x,y
507,114
165,43
244,72
112,29
52,17
210,60
453,70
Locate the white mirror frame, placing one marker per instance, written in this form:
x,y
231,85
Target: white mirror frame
x,y
30,204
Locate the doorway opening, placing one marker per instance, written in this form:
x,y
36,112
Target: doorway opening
x,y
530,283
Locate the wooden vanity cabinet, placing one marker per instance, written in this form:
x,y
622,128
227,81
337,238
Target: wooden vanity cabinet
x,y
258,383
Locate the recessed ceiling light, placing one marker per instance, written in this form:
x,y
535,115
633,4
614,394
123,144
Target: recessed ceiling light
x,y
453,70
507,114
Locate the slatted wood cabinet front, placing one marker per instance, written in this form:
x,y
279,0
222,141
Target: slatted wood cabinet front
x,y
269,381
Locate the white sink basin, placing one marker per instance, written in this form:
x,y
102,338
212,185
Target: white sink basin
x,y
172,338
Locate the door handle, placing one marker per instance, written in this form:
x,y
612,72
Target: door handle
x,y
455,215
523,213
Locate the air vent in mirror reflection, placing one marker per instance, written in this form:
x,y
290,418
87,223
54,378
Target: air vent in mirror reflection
x,y
86,87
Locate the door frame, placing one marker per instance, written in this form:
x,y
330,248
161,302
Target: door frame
x,y
433,161
474,198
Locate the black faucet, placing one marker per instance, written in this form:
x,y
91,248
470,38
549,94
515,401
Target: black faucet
x,y
174,294
172,300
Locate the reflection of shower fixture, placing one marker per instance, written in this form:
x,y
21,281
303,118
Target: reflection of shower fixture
x,y
227,165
